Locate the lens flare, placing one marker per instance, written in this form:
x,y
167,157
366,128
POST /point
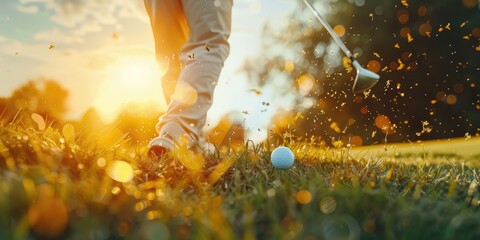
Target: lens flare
x,y
185,94
120,171
38,119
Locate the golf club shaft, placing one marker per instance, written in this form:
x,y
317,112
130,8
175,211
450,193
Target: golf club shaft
x,y
330,30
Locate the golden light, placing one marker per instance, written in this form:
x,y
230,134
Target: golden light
x,y
109,137
130,78
132,71
120,171
190,160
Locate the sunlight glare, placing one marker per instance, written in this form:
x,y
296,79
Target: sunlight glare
x,y
131,72
133,78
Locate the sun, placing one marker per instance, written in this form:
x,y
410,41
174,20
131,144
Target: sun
x,y
132,78
134,72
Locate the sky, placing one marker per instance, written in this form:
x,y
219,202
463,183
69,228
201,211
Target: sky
x,y
95,48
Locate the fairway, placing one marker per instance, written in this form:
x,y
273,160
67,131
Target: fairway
x,y
467,148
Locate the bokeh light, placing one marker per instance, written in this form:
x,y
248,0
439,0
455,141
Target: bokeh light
x,y
422,11
364,110
476,32
101,162
356,141
458,88
339,30
470,3
403,16
38,119
383,123
451,99
185,94
303,197
305,83
425,29
404,32
289,66
441,96
120,171
328,205
68,132
48,216
374,66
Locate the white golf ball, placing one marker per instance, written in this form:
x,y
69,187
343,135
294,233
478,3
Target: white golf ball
x,y
282,157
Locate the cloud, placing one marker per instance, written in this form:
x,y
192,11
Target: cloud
x,y
27,9
2,39
101,58
71,13
86,27
37,52
57,36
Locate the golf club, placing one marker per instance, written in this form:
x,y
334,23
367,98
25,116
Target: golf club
x,y
365,79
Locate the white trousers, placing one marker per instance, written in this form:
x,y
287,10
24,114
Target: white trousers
x,y
191,38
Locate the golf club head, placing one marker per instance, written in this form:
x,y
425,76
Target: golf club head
x,y
365,79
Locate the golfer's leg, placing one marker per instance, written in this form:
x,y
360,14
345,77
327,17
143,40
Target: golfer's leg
x,y
170,31
202,58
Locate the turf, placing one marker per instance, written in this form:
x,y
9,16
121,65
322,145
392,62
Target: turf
x,y
63,185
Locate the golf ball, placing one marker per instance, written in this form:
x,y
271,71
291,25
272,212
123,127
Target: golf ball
x,y
282,157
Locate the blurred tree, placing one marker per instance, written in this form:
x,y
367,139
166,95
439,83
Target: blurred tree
x,y
43,96
26,97
53,99
3,107
427,53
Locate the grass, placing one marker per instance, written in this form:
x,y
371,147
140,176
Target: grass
x,y
57,184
